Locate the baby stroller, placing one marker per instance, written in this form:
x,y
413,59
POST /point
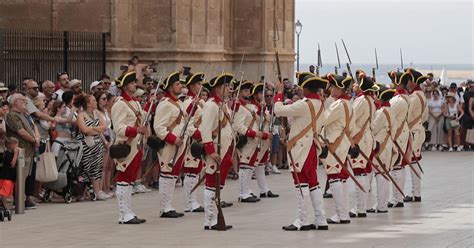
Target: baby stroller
x,y
70,183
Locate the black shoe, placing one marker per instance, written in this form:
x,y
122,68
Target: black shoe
x,y
382,211
29,204
408,199
226,204
249,200
417,198
371,210
171,214
352,215
361,215
344,221
322,228
134,221
214,228
303,228
198,210
269,194
254,196
327,195
399,205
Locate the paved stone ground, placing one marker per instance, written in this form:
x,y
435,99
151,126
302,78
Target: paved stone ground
x,y
445,218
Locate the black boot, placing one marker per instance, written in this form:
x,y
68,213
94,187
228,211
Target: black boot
x,y
327,195
408,199
249,200
371,210
198,210
361,215
302,228
417,198
171,214
133,221
352,215
226,204
214,228
269,194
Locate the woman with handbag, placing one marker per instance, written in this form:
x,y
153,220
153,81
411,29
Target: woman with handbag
x,y
453,113
91,125
436,121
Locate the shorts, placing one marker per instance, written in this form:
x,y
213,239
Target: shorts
x,y
275,143
6,187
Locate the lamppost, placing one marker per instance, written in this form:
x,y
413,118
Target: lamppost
x,y
298,27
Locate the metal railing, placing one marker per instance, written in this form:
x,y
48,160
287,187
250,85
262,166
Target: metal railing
x,y
43,54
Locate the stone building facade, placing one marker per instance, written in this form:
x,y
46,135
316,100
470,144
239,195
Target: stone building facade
x,y
173,33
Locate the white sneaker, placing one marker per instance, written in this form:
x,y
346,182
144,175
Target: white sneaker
x,y
275,170
451,149
433,148
101,196
460,148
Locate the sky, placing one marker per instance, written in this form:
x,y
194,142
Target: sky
x,y
428,32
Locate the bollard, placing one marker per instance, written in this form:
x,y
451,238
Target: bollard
x,y
20,183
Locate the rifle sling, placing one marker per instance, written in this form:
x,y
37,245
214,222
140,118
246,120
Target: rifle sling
x,y
292,142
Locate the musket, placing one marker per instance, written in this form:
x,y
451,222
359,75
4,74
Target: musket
x,y
388,174
272,114
238,89
146,120
260,121
417,163
376,65
348,65
403,155
401,58
284,121
343,165
186,123
220,215
338,60
320,62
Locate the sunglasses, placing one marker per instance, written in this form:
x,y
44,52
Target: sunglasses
x,y
3,91
101,89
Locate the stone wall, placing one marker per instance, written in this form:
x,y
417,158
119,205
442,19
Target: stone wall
x,y
173,32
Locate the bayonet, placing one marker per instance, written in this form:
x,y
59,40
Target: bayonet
x,y
338,60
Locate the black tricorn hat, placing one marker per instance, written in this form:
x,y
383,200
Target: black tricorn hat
x,y
222,79
301,76
399,78
257,88
339,81
246,84
194,78
384,93
314,82
366,83
170,79
126,79
418,77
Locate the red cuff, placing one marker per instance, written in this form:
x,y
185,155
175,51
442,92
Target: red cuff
x,y
209,148
278,97
197,135
265,136
170,138
250,133
131,132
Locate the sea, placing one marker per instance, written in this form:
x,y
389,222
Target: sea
x,y
457,72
